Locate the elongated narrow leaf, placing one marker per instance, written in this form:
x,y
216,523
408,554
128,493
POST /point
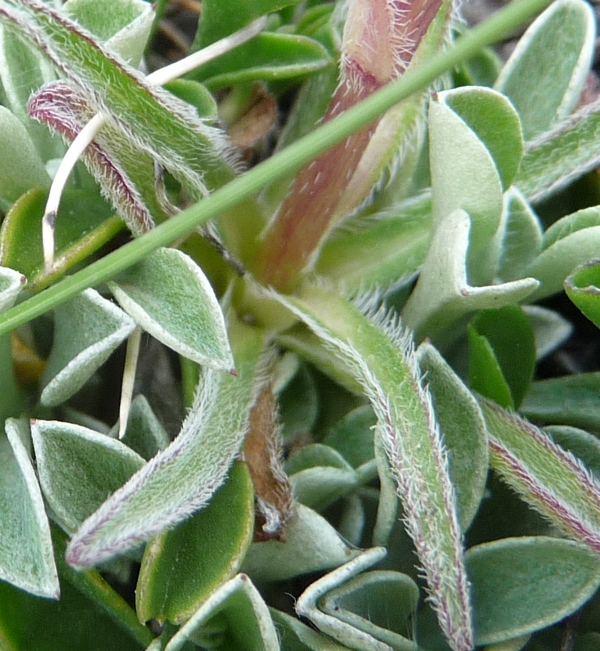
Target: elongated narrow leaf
x,y
125,172
169,296
558,157
78,468
381,358
551,480
463,431
26,556
521,585
183,567
188,472
158,122
547,70
124,26
87,330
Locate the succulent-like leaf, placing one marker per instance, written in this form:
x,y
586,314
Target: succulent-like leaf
x,y
11,284
570,400
78,468
150,117
569,242
380,603
248,622
183,567
550,329
309,604
381,358
463,431
219,20
87,225
21,168
557,157
582,288
26,555
582,444
443,296
521,585
270,57
551,480
494,369
521,236
546,72
320,475
296,636
188,472
87,330
352,436
275,561
169,296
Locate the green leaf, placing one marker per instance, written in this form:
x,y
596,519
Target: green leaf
x,y
569,242
85,225
550,328
522,236
87,330
26,555
183,567
27,621
124,26
390,246
582,444
298,402
125,172
443,296
11,284
352,436
78,468
238,610
21,168
582,287
276,561
169,296
188,472
155,120
493,119
570,400
269,57
219,20
502,342
380,603
548,478
309,605
521,585
144,433
463,431
23,70
320,475
546,72
381,358
296,636
463,171
558,157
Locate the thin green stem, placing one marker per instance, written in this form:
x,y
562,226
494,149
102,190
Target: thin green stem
x,y
286,162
